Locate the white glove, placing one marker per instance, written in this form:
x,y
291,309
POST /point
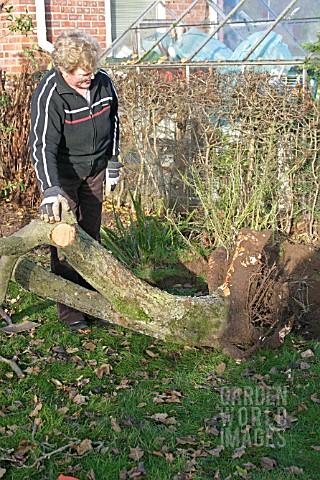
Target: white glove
x,y
112,176
53,204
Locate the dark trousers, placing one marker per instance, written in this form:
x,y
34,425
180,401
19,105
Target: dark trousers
x,y
85,197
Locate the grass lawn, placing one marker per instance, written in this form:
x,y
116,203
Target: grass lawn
x,y
114,404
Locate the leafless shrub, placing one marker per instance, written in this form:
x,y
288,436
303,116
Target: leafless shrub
x,y
239,147
245,145
16,172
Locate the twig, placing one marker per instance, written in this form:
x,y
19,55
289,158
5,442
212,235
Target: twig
x,y
12,363
48,455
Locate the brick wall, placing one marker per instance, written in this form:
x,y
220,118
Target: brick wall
x,y
197,15
84,14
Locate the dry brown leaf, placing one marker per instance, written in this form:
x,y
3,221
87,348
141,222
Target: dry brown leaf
x,y
2,472
90,346
212,430
37,409
152,354
267,463
239,452
80,399
169,457
104,369
295,470
304,366
216,451
160,417
123,475
136,453
154,452
163,418
84,447
115,427
57,383
33,370
308,353
137,472
316,447
314,398
220,368
72,350
63,410
190,439
64,477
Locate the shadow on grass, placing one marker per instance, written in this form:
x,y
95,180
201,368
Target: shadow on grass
x,y
34,311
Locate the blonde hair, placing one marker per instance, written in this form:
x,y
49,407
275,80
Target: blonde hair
x,y
76,49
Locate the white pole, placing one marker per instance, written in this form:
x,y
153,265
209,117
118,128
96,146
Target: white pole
x,y
42,27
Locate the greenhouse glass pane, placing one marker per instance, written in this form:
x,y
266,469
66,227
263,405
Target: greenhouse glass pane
x,y
220,30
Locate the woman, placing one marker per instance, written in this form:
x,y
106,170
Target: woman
x,y
74,144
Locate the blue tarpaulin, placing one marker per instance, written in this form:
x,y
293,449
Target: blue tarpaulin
x,y
271,48
192,39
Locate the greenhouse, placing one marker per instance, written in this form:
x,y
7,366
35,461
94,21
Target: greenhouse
x,y
223,32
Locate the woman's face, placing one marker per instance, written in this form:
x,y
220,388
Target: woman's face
x,y
79,78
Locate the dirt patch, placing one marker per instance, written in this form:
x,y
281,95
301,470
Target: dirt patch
x,y
285,290
302,265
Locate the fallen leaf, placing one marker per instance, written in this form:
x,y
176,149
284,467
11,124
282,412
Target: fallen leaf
x,y
90,346
137,472
190,439
163,418
221,368
136,453
216,451
295,470
37,409
267,463
154,452
64,477
33,370
304,366
115,427
84,447
57,383
104,369
316,447
152,354
63,410
169,457
249,466
80,399
308,353
314,398
212,430
123,475
239,452
72,350
2,472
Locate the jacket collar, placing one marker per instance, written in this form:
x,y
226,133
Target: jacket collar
x,y
63,87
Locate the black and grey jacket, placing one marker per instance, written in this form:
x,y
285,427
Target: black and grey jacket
x,y
68,137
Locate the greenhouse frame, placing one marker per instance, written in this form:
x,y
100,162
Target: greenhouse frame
x,y
263,34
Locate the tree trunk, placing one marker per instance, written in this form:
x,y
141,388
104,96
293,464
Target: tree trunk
x,y
120,297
